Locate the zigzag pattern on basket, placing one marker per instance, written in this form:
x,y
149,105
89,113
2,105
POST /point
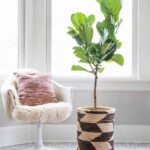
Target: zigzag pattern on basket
x,y
95,130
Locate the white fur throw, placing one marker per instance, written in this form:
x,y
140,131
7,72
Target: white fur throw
x,y
8,88
52,112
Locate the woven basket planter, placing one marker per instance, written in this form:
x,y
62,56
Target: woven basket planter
x,y
95,128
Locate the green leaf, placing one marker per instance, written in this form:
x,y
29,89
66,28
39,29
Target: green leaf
x,y
78,40
100,70
79,68
101,26
109,47
113,38
102,30
80,53
83,61
99,1
118,59
108,56
78,19
90,19
110,8
118,25
86,33
110,25
108,50
72,32
118,44
98,48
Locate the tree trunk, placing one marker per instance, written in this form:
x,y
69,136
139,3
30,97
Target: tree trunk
x,y
95,89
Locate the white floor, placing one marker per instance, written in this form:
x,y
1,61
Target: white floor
x,y
72,146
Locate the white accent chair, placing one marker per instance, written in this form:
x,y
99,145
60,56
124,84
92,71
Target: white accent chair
x,y
47,113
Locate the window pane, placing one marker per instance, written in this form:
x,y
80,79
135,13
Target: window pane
x,y
8,36
62,53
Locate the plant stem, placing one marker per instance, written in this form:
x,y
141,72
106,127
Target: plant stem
x,y
95,89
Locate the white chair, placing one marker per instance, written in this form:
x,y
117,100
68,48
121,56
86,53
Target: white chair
x,y
47,113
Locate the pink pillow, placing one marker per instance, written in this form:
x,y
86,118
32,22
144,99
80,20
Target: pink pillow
x,y
35,89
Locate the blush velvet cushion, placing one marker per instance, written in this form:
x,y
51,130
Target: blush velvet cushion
x,y
35,89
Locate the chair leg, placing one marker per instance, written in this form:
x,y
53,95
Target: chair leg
x,y
39,138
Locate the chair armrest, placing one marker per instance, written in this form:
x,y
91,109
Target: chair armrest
x,y
9,97
63,93
8,103
14,98
10,91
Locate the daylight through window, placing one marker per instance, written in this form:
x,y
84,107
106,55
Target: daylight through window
x,y
62,53
8,36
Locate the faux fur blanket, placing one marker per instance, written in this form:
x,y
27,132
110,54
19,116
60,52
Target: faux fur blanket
x,y
9,89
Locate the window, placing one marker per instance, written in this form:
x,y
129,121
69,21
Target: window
x,y
62,53
8,36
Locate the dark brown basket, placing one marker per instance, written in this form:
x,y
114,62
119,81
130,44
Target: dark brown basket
x,y
95,128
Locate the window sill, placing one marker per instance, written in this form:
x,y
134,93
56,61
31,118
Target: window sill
x,y
105,84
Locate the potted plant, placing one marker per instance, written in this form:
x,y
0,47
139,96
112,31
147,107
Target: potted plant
x,y
96,123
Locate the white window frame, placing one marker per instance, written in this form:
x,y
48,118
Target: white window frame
x,y
32,34
21,36
135,39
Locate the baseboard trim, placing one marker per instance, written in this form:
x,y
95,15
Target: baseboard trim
x,y
22,134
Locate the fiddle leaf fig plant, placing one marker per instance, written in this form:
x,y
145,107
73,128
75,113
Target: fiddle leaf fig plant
x,y
95,53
